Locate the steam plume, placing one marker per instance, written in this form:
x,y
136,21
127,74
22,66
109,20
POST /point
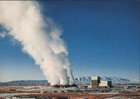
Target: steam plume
x,y
38,37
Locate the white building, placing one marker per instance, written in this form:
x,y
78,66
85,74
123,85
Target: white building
x,y
105,83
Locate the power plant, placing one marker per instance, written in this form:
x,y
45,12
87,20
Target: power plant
x,y
97,82
98,89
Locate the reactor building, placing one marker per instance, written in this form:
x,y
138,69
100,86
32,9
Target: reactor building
x,y
97,82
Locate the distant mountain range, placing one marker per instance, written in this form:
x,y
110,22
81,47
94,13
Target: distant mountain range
x,y
79,80
25,82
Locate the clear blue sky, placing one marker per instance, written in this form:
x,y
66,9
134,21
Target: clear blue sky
x,y
103,38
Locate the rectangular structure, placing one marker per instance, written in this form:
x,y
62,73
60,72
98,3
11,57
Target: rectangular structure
x,y
105,84
95,80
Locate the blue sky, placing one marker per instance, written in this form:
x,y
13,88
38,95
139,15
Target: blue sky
x,y
103,38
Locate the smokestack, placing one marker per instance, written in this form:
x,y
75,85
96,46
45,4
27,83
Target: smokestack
x,y
39,38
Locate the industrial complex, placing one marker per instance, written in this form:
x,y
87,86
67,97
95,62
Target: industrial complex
x,y
96,89
96,82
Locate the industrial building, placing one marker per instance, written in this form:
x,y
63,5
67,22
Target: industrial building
x,y
96,82
105,84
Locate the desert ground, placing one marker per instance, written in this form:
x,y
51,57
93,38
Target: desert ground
x,y
48,92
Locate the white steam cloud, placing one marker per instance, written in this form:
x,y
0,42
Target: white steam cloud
x,y
38,37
